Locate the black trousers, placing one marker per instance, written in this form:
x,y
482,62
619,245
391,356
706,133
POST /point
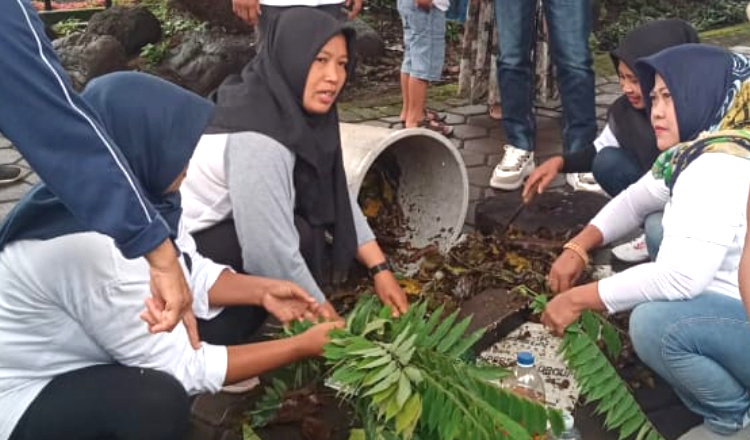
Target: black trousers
x,y
107,402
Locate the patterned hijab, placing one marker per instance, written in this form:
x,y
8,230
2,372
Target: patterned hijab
x,y
710,89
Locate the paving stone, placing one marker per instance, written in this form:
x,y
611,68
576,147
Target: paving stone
x,y
606,98
601,80
377,123
480,175
601,112
9,155
498,134
548,113
459,143
483,145
470,110
475,193
472,158
494,159
612,88
743,50
456,102
484,121
4,143
467,132
454,119
471,214
32,179
551,104
392,119
13,191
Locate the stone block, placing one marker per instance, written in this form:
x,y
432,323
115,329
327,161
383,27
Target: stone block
x,y
483,121
9,155
467,132
472,159
497,312
483,145
454,119
13,191
480,175
561,211
475,193
470,110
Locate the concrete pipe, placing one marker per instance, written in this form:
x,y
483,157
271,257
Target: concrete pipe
x,y
433,188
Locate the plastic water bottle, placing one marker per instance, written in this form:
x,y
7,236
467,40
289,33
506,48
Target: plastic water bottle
x,y
570,432
526,380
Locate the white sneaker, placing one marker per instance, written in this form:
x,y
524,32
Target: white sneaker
x,y
634,251
700,432
242,386
583,182
515,166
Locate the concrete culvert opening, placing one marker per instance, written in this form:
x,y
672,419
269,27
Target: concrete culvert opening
x,y
432,184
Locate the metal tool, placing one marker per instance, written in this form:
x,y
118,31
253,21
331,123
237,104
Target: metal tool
x,y
524,203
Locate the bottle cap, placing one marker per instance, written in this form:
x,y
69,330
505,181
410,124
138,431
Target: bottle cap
x,y
568,420
525,359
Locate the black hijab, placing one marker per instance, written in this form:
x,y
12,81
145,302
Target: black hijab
x,y
267,98
632,126
156,126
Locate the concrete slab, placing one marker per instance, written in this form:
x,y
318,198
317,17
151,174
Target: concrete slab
x,y
472,158
469,110
483,145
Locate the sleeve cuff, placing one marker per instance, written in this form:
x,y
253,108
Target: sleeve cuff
x,y
201,306
217,360
145,241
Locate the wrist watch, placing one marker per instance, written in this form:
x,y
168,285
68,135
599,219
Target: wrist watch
x,y
376,269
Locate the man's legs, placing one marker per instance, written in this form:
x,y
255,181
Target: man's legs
x,y
702,348
515,24
569,24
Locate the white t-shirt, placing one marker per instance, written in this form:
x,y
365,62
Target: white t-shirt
x,y
74,301
704,231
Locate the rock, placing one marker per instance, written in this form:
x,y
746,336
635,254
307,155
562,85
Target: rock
x,y
369,45
216,12
134,27
204,59
85,56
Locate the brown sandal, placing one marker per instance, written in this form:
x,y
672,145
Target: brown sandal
x,y
429,115
437,126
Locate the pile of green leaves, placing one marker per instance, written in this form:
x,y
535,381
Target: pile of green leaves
x,y
409,378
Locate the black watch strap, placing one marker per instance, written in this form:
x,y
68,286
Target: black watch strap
x,y
376,269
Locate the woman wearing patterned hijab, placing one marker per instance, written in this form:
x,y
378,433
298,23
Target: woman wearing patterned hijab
x,y
688,323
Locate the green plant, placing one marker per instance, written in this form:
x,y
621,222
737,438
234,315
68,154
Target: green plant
x,y
68,26
173,23
596,376
409,378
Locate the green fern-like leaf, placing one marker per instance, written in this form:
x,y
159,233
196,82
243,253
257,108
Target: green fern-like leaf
x,y
598,379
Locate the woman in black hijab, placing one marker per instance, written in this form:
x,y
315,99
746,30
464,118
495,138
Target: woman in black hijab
x,y
266,190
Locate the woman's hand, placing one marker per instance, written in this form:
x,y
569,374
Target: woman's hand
x,y
390,292
561,311
541,177
565,271
288,302
316,337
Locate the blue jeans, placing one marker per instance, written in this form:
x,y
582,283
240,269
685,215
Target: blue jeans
x,y
616,169
569,23
654,233
702,348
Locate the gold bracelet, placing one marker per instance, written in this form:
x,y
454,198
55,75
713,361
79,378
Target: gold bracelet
x,y
578,250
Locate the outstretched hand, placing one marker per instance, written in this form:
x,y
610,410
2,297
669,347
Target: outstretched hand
x,y
390,292
247,10
541,177
288,302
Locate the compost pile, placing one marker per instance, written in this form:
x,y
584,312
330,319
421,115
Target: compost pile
x,y
473,265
